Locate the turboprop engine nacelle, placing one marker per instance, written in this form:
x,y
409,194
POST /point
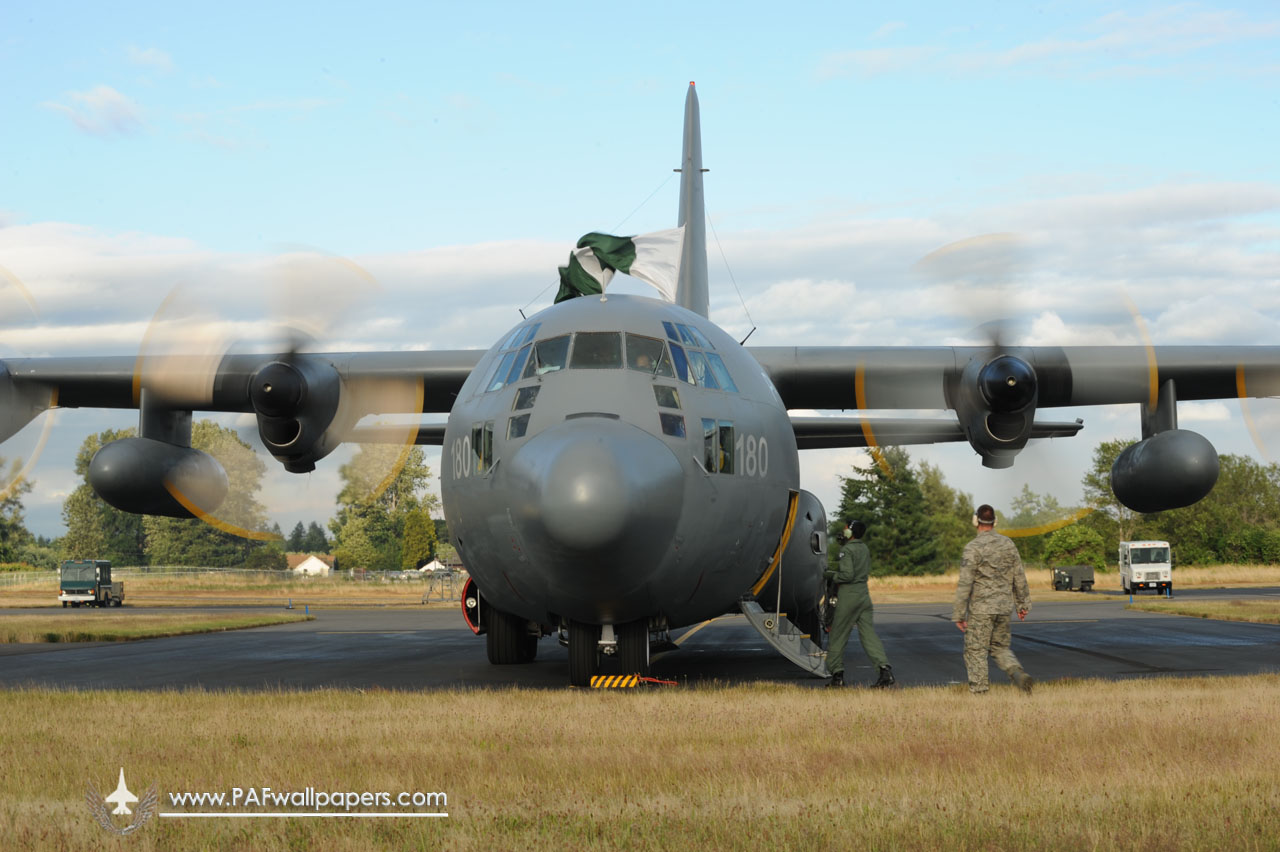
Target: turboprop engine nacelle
x,y
296,401
149,477
995,400
1169,470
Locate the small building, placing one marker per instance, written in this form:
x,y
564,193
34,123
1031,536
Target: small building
x,y
310,564
433,567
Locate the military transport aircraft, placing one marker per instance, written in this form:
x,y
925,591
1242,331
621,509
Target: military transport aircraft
x,y
618,466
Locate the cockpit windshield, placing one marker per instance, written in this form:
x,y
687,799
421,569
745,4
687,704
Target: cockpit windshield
x,y
548,356
596,350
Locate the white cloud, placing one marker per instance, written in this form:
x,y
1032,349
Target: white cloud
x,y
101,111
1117,43
1198,259
888,28
150,57
1202,412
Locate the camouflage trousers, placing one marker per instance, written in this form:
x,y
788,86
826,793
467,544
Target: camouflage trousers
x,y
987,634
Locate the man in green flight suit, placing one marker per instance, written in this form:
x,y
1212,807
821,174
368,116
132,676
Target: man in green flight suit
x,y
853,607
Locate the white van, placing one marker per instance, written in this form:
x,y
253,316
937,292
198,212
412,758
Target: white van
x,y
1146,565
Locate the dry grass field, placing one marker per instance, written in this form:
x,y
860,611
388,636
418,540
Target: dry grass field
x,y
1255,611
109,626
942,586
232,589
1142,764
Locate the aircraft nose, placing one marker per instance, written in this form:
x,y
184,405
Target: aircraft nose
x,y
594,484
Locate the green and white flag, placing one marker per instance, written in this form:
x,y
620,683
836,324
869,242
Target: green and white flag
x,y
653,258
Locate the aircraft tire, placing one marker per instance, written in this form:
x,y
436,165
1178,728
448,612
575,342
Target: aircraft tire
x,y
584,653
633,647
503,640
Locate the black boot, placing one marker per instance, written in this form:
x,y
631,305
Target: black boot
x,y
837,679
886,678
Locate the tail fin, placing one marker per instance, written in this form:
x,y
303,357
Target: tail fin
x,y
691,288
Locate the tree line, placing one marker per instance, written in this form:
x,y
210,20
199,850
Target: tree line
x,y
381,524
918,524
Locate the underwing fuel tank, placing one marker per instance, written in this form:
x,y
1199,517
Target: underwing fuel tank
x,y
1169,470
145,476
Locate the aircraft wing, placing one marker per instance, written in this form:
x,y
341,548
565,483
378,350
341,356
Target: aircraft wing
x,y
996,392
821,433
115,382
306,405
826,377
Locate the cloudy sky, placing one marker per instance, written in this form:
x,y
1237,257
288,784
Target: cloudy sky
x,y
1126,155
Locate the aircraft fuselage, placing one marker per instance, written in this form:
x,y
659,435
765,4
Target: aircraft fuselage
x,y
617,459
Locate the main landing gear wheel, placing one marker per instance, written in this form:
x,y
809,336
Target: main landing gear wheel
x,y
584,653
508,639
633,647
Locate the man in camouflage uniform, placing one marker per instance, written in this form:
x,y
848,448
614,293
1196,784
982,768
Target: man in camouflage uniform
x,y
991,583
853,608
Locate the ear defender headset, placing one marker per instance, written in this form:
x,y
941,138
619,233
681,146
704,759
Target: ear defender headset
x,y
990,513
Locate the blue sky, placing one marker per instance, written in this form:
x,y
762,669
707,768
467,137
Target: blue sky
x,y
457,153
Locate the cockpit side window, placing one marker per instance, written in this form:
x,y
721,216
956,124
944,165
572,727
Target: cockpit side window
x,y
526,397
648,355
548,356
500,373
517,366
721,372
694,358
682,365
597,350
701,371
666,396
686,336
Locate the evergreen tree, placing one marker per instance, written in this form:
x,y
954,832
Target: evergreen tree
x,y
315,541
949,512
900,534
297,539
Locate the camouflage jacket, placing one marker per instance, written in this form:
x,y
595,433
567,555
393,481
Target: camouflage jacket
x,y
991,578
854,565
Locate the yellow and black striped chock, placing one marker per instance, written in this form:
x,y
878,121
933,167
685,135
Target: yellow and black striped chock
x,y
612,681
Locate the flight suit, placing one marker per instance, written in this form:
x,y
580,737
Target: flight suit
x,y
992,583
853,608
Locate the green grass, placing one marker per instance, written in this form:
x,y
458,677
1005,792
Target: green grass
x,y
1255,611
93,626
1141,764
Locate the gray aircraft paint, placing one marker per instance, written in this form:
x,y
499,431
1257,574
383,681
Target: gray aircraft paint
x,y
663,537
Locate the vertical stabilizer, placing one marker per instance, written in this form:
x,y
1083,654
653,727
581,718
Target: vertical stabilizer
x,y
691,289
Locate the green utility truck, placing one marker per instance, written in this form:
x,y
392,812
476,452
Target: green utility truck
x,y
88,581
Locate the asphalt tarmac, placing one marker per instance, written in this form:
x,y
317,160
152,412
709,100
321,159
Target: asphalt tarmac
x,y
1089,635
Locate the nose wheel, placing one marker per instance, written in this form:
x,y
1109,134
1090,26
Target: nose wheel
x,y
633,647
